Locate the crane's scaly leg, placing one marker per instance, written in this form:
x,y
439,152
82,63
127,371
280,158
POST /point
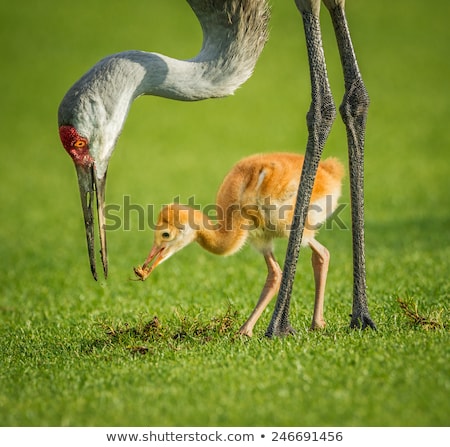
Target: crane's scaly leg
x,y
353,110
320,260
270,289
319,120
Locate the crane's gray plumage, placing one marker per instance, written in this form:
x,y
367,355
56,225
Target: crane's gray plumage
x,y
234,34
93,111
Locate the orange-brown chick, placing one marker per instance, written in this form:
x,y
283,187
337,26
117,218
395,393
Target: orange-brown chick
x,y
255,203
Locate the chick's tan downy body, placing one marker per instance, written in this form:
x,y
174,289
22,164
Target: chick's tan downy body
x,y
255,204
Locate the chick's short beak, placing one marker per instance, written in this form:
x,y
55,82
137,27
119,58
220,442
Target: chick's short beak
x,y
155,257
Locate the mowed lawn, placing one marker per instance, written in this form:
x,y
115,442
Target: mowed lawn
x,y
74,352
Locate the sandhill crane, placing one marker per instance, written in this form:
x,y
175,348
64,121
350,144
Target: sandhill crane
x,y
256,203
93,111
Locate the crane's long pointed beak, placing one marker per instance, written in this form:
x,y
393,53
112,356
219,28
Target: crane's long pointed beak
x,y
100,188
91,186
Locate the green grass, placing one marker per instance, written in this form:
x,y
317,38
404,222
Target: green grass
x,y
75,352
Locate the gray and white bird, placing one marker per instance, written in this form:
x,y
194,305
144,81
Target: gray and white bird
x,y
93,112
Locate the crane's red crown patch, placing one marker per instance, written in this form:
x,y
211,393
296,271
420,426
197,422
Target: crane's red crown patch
x,y
75,145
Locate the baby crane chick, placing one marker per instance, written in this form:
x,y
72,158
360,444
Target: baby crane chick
x,y
255,203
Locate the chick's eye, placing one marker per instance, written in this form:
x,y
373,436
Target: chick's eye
x,y
165,235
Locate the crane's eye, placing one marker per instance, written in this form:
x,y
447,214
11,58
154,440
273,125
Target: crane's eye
x,y
80,144
165,235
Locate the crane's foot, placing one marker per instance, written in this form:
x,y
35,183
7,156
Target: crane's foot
x,y
362,320
281,330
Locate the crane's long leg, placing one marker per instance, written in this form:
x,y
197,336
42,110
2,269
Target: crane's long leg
x,y
319,120
270,289
354,114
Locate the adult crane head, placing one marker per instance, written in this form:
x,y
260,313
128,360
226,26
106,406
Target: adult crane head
x,y
91,182
91,117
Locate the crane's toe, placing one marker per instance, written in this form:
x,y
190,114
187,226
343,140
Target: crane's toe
x,y
362,321
280,330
